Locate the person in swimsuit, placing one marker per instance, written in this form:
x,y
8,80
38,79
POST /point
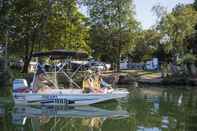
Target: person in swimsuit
x,y
42,76
100,83
89,84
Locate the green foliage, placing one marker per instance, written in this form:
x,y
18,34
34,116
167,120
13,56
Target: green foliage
x,y
178,35
67,28
112,27
5,82
188,58
36,25
195,4
46,25
177,25
147,44
174,36
109,32
2,64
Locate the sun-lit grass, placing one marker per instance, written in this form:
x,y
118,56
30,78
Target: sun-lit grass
x,y
139,74
142,73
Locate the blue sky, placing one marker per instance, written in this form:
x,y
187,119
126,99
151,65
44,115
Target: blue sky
x,y
146,16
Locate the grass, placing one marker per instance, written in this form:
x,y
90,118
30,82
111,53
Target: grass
x,y
6,100
142,73
17,74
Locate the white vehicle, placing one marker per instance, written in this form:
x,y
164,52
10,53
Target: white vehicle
x,y
96,65
108,66
152,64
22,94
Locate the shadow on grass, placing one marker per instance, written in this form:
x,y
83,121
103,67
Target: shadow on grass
x,y
139,73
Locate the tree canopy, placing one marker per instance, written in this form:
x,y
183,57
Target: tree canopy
x,y
108,31
112,27
42,25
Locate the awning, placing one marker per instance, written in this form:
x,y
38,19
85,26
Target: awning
x,y
60,54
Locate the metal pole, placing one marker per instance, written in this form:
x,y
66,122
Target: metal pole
x,y
6,53
56,77
35,77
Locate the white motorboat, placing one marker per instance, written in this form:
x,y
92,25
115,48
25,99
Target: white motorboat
x,y
66,97
25,95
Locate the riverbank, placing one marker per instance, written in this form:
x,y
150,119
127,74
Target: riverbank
x,y
130,77
150,77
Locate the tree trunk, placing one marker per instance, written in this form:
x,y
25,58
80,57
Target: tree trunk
x,y
186,70
30,42
174,63
26,65
163,70
193,69
120,40
173,68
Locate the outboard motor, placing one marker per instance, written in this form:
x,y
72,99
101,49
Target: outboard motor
x,y
20,86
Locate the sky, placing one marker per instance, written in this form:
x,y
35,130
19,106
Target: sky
x,y
146,16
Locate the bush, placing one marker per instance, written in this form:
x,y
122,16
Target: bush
x,y
2,64
188,59
5,83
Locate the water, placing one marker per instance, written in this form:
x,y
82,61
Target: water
x,y
146,109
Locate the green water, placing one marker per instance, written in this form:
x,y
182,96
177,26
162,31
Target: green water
x,y
146,109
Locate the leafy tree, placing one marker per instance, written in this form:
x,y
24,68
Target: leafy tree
x,y
112,27
35,25
29,19
195,4
67,27
160,11
177,26
146,46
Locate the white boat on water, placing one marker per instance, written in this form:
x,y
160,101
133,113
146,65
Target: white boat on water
x,y
29,95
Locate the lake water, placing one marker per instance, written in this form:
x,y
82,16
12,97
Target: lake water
x,y
145,109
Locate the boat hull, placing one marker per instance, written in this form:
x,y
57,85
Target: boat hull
x,y
72,97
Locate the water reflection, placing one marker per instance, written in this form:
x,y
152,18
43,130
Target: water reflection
x,y
41,116
146,109
46,112
163,109
2,110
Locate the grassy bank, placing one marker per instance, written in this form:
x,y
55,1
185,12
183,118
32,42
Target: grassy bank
x,y
131,76
154,77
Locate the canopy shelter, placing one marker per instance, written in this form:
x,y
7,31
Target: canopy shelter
x,y
61,54
64,57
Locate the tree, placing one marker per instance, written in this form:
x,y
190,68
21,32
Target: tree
x,y
112,27
67,27
146,46
195,4
42,25
178,25
159,11
29,19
